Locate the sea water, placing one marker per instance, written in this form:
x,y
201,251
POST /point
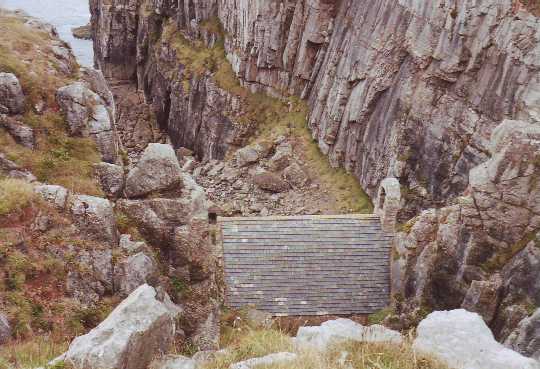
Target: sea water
x,y
64,15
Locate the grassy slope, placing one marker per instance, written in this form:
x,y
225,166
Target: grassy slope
x,y
34,265
58,158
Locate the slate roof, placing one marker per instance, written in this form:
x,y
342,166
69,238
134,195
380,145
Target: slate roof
x,y
307,265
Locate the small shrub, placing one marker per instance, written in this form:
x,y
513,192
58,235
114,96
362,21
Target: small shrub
x,y
379,316
15,195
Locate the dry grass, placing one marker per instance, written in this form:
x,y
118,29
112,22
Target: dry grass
x,y
355,355
245,342
32,353
15,195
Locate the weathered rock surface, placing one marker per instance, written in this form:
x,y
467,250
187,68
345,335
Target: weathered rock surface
x,y
88,116
111,179
405,89
174,362
20,132
157,170
271,359
451,256
339,330
94,216
526,338
271,182
11,94
56,195
5,329
134,271
93,276
462,340
138,330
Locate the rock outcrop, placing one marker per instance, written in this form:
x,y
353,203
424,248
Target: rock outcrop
x,y
11,94
482,251
461,339
137,331
158,170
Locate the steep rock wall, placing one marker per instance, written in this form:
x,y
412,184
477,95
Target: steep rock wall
x,y
396,87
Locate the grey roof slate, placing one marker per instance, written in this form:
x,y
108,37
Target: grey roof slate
x,y
307,265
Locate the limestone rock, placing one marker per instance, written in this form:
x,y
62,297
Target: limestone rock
x,y
111,179
157,218
174,362
5,329
87,116
54,194
483,298
137,330
270,182
20,132
94,216
129,246
11,94
296,176
270,359
134,271
93,276
251,154
157,170
462,340
526,337
334,331
282,157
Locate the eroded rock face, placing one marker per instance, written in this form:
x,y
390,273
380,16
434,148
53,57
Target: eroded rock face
x,y
403,89
11,94
94,216
462,340
134,271
526,338
111,178
20,132
88,116
157,170
481,253
136,332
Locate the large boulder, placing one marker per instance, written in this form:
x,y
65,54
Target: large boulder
x,y
462,339
134,271
270,182
92,278
174,362
87,116
138,330
157,170
95,217
526,337
11,94
335,331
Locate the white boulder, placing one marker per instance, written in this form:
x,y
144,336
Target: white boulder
x,y
138,330
157,170
174,362
339,330
56,195
462,340
276,358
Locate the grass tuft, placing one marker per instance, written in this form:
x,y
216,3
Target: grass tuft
x,y
15,195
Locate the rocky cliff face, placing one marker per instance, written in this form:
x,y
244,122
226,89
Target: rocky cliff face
x,y
405,88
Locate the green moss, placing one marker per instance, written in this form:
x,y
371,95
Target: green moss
x,y
379,316
500,259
